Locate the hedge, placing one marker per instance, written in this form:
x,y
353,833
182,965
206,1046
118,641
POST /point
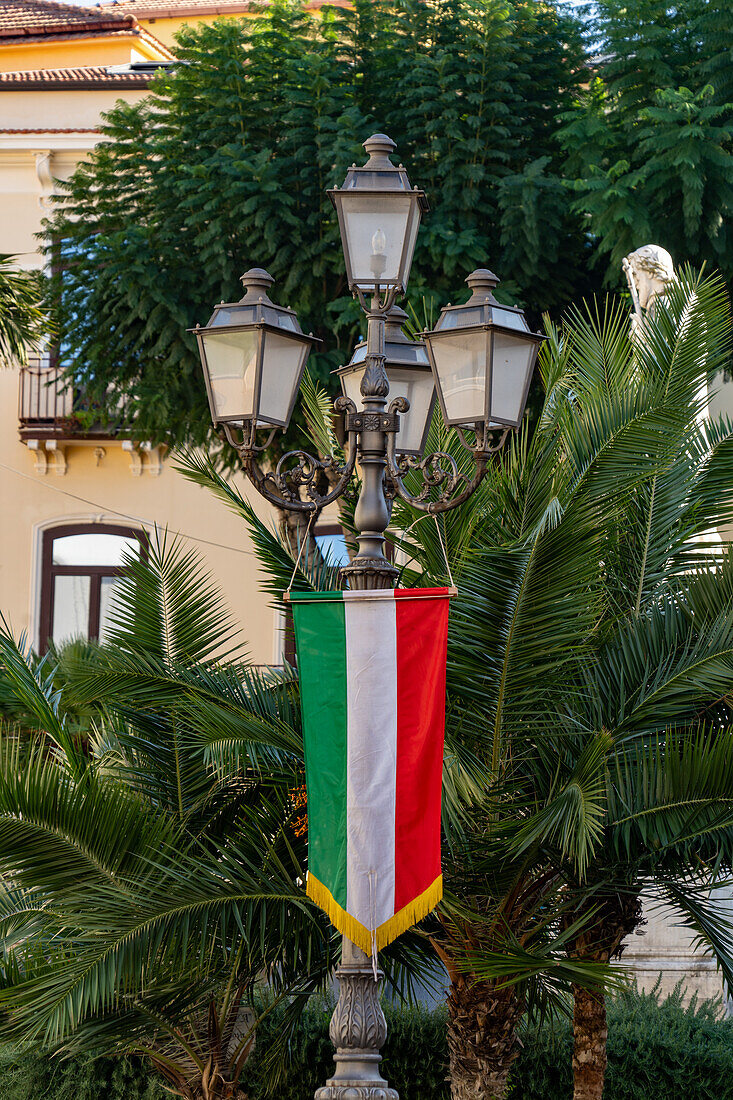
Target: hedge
x,y
657,1051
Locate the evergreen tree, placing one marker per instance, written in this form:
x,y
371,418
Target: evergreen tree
x,y
226,164
651,141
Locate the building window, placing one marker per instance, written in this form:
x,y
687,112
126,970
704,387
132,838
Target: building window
x,y
331,541
82,565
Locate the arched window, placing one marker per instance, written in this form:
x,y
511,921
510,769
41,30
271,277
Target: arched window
x,y
81,565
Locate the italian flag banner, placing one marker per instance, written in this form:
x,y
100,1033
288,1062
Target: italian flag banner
x,y
372,682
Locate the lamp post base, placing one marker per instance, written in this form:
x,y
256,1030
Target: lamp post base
x,y
358,1031
352,1090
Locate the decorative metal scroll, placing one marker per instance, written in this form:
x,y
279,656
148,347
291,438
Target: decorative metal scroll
x,y
294,483
442,480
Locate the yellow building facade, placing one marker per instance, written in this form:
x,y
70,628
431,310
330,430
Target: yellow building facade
x,y
70,502
41,34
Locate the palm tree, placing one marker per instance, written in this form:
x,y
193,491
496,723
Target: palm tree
x,y
657,681
154,860
630,788
146,895
552,668
23,323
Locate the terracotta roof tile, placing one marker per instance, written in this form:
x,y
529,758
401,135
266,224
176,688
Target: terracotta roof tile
x,y
174,8
19,18
177,9
81,77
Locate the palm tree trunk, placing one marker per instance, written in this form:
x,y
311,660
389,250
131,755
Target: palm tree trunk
x,y
482,1038
590,1037
618,915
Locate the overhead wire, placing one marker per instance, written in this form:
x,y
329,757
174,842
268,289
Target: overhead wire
x,y
106,510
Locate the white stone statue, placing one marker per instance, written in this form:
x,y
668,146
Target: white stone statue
x,y
649,271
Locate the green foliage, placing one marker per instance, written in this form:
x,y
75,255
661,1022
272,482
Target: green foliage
x,y
657,1048
22,321
651,141
226,165
27,1075
541,155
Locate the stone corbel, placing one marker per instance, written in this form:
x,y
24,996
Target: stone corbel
x,y
154,463
136,459
58,450
45,177
144,456
39,453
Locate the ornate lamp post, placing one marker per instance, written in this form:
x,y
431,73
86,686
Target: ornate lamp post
x,y
480,356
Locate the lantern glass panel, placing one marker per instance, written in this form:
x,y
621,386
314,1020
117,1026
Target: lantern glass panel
x,y
419,389
509,318
375,228
282,367
512,363
459,318
411,242
231,358
460,364
351,387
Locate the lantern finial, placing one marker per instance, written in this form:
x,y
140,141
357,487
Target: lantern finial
x,y
482,282
379,147
256,283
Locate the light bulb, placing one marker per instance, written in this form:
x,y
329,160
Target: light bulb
x,y
379,242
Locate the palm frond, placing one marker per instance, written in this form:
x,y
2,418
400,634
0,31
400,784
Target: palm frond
x,y
166,605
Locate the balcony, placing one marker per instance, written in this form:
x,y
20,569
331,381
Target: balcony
x,y
55,418
49,409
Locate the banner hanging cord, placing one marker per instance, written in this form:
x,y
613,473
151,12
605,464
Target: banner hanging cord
x,y
440,539
300,553
445,552
286,594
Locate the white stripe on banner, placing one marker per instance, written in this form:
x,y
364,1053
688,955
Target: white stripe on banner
x,y
371,698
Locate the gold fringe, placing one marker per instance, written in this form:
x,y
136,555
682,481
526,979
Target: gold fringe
x,y
357,932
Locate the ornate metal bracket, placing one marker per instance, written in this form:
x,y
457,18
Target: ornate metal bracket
x,y
373,422
439,471
382,299
297,472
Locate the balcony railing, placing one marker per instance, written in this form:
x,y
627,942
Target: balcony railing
x,y
49,408
45,398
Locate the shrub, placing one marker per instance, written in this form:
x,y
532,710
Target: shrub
x,y
657,1050
415,1055
28,1075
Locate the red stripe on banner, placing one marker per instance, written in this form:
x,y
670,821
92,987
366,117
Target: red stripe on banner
x,y
422,631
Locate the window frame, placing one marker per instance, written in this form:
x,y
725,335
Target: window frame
x,y
49,572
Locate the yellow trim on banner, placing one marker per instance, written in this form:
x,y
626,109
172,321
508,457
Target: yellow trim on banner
x,y
357,932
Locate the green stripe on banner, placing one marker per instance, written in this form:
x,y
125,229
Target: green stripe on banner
x,y
321,646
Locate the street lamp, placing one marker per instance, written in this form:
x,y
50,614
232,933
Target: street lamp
x,y
379,216
409,374
253,354
481,356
